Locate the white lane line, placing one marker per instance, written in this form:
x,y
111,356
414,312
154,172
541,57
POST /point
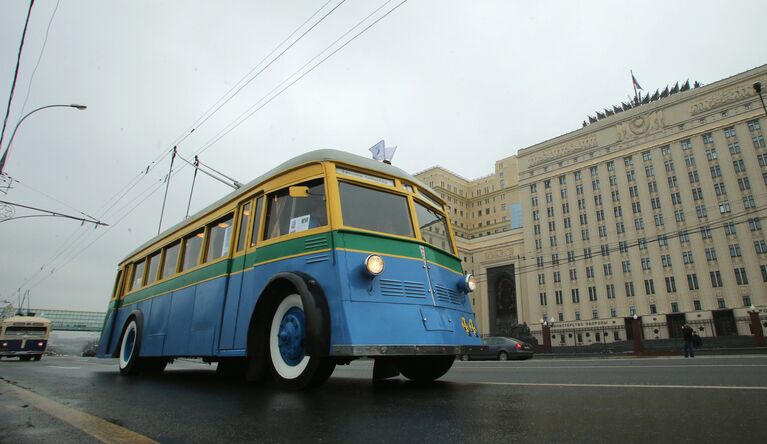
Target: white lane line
x,y
644,386
631,367
62,367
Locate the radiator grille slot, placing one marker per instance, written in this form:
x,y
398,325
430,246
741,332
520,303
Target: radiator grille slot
x,y
394,288
447,295
314,243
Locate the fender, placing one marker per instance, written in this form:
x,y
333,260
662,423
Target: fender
x,y
316,311
139,323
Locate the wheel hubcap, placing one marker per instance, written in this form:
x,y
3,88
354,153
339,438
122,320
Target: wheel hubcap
x,y
291,336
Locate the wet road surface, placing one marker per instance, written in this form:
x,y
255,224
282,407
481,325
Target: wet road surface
x,y
547,400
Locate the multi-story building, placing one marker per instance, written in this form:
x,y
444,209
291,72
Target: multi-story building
x,y
653,209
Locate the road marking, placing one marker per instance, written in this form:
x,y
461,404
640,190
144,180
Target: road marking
x,y
545,384
65,368
98,428
632,367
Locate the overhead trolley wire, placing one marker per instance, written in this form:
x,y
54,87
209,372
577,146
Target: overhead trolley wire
x,y
15,74
255,108
156,187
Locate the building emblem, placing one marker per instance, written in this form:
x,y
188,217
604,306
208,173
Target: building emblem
x,y
640,126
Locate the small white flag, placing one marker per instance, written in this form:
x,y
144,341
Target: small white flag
x,y
378,151
389,153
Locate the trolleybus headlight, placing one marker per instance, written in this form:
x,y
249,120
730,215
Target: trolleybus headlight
x,y
39,344
374,264
468,283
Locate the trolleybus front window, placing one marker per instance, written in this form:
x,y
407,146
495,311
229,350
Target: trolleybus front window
x,y
433,227
375,210
287,214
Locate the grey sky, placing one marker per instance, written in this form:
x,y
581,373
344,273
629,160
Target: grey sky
x,y
455,83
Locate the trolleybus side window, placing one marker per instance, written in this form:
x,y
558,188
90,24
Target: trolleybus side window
x,y
374,210
256,220
287,214
219,237
171,259
243,228
154,265
138,275
433,228
117,290
192,247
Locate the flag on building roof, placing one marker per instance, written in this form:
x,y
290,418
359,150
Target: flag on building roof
x,y
634,81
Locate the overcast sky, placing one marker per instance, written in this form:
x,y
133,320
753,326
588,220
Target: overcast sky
x,y
459,84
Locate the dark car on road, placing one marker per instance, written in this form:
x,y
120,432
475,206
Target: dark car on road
x,y
501,348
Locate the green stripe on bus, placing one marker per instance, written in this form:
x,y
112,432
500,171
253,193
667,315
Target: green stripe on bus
x,y
395,247
296,247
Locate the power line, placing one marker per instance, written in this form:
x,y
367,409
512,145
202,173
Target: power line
x,y
154,188
255,108
40,57
16,73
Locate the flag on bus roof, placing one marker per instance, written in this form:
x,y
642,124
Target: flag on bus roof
x,y
378,151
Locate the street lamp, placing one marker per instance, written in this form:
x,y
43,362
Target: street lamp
x,y
10,141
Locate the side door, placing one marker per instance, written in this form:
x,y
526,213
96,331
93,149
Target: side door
x,y
241,279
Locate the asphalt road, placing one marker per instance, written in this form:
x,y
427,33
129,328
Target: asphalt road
x,y
705,399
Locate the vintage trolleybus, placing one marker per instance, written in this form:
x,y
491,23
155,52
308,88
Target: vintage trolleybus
x,y
327,258
25,337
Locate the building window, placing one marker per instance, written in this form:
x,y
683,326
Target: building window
x,y
674,307
649,286
608,269
716,279
729,229
610,289
735,250
724,207
575,295
653,309
666,260
696,304
578,318
687,257
753,125
760,246
746,301
558,297
711,254
665,150
629,289
705,233
543,298
670,284
721,303
613,313
692,281
711,154
592,294
645,263
740,276
716,171
754,225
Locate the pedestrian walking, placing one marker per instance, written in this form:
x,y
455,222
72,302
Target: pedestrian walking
x,y
689,350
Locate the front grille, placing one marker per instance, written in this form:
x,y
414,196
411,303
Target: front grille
x,y
447,295
393,288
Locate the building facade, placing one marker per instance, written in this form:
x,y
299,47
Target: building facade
x,y
655,211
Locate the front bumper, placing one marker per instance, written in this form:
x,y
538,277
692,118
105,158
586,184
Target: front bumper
x,y
20,353
404,350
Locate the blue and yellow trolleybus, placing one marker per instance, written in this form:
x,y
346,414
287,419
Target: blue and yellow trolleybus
x,y
25,337
325,259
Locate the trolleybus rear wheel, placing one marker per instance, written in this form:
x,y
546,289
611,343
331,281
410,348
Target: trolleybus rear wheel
x,y
425,368
291,367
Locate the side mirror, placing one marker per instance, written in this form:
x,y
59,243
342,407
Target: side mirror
x,y
299,191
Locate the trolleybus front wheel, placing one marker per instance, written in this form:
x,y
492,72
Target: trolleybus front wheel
x,y
425,368
128,357
291,367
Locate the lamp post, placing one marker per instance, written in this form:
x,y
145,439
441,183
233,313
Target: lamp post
x,y
636,326
546,325
756,326
10,141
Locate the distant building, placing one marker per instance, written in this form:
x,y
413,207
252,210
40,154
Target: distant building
x,y
68,320
654,210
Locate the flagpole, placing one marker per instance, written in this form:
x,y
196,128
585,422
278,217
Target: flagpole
x,y
634,84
